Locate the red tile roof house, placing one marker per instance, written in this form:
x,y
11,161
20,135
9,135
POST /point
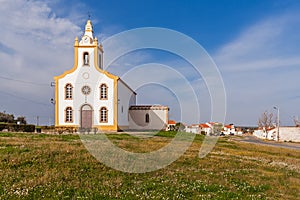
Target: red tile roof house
x,y
200,128
205,129
266,133
194,128
229,130
171,125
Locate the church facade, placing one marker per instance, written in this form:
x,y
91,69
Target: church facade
x,y
88,97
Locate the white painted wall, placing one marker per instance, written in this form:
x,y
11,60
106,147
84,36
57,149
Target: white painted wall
x,y
289,134
285,134
206,130
126,98
158,119
90,76
192,129
86,75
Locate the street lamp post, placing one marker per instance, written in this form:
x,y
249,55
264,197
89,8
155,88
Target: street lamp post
x,y
52,102
276,108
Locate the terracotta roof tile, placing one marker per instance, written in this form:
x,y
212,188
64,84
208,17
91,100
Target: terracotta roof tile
x,y
204,126
172,122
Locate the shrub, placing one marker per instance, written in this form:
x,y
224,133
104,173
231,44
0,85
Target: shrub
x,y
28,128
8,118
18,127
3,126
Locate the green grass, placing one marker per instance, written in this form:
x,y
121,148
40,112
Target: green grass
x,y
40,166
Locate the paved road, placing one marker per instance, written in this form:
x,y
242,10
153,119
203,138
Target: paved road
x,y
255,140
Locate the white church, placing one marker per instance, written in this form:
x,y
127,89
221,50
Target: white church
x,y
88,97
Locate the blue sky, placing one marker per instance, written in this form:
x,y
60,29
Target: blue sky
x,y
253,43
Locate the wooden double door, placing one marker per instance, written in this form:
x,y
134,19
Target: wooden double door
x,y
86,116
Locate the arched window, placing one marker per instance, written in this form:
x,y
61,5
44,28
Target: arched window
x,y
68,91
147,119
103,115
103,91
86,58
69,114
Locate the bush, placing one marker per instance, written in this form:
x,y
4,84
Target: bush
x,y
18,128
28,128
7,118
3,126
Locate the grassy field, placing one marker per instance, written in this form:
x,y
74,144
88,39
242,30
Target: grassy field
x,y
39,166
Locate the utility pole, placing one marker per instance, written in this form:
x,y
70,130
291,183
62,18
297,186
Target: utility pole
x,y
37,120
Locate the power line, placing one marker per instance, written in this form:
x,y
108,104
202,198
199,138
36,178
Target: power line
x,y
23,98
23,81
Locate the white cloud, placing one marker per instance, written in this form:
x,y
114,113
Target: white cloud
x,y
260,68
270,43
35,46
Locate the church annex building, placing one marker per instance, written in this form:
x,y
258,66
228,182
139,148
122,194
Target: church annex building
x,y
88,97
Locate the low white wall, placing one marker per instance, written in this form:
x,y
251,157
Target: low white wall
x,y
259,134
270,135
285,134
289,134
192,129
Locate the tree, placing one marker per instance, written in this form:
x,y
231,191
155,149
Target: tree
x,y
7,118
266,120
179,126
21,120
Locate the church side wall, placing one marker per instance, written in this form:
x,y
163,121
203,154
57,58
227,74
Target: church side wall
x,y
126,98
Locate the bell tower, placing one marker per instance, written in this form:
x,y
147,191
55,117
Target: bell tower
x,y
88,36
90,53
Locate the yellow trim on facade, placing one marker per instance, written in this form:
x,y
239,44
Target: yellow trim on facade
x,y
96,56
86,46
123,128
115,78
96,41
67,126
101,70
97,48
56,102
116,103
106,127
56,78
74,66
